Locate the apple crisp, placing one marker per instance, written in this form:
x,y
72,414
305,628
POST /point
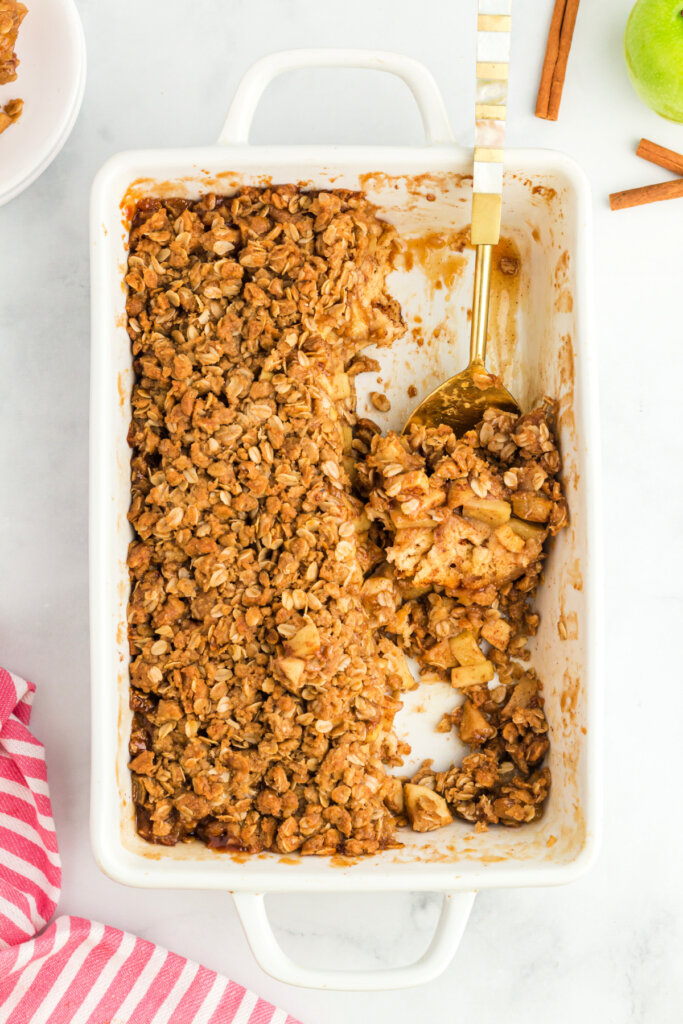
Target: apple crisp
x,y
287,558
12,14
10,113
263,704
461,525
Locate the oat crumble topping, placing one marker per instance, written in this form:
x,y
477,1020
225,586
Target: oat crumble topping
x,y
287,558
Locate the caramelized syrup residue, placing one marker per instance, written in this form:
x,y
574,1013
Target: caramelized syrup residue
x,y
440,255
506,282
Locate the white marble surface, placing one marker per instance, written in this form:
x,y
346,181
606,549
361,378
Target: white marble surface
x,y
609,947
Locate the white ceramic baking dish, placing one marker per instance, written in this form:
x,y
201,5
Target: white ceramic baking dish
x,y
426,192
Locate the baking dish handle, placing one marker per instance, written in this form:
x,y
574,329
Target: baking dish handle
x,y
271,957
419,80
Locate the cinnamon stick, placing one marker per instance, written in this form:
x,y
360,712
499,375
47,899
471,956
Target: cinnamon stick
x,y
556,57
566,36
647,194
549,61
667,158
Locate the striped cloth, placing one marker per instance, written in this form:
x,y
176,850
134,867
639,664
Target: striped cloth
x,y
77,971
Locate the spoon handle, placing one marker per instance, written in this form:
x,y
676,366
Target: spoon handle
x,y
493,59
480,304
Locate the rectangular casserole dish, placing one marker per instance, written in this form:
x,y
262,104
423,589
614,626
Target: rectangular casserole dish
x,y
540,341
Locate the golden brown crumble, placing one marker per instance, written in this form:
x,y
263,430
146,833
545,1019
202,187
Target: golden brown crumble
x,y
263,704
380,401
280,570
11,16
10,113
460,525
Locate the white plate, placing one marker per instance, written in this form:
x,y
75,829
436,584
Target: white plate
x,y
50,80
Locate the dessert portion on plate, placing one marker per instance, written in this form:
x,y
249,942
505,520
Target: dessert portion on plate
x,y
287,557
10,113
12,14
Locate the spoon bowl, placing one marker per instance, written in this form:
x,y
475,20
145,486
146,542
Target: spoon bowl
x,y
461,401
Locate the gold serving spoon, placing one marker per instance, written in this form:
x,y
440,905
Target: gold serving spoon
x,y
461,401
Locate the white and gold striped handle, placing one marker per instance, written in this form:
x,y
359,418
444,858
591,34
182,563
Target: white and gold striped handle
x,y
493,60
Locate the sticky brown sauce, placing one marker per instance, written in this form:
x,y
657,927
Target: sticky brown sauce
x,y
338,860
569,697
564,302
568,626
566,361
421,186
574,577
506,287
439,256
544,192
442,258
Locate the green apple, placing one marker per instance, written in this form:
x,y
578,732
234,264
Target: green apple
x,y
653,44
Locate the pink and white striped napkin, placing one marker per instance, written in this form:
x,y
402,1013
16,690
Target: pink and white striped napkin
x,y
77,971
